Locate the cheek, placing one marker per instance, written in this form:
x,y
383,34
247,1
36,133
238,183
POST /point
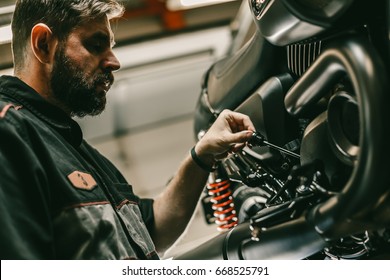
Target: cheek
x,y
82,59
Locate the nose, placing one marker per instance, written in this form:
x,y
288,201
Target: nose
x,y
111,63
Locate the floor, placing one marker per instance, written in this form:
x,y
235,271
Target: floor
x,y
148,158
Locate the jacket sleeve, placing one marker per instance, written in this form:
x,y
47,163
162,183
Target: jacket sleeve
x,y
146,207
25,227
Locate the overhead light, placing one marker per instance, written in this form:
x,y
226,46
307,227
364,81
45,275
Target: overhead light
x,y
5,34
175,5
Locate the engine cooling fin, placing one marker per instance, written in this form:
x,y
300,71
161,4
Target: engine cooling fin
x,y
301,55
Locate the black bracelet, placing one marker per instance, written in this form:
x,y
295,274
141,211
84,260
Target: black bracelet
x,y
199,162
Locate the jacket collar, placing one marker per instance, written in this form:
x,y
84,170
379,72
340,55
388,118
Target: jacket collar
x,y
21,93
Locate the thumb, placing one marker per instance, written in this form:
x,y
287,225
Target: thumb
x,y
240,137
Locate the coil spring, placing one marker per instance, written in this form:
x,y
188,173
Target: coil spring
x,y
223,205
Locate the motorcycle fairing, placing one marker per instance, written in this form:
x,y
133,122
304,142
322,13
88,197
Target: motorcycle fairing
x,y
337,105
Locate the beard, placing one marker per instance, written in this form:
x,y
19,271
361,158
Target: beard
x,y
76,92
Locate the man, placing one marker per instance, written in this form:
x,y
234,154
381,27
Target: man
x,y
60,198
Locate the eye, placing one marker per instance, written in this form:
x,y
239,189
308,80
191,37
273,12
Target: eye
x,y
97,43
97,47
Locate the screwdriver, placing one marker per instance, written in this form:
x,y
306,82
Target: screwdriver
x,y
258,140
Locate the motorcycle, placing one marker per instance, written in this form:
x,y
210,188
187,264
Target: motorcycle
x,y
313,181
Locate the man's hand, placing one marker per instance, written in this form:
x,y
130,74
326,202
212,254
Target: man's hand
x,y
229,133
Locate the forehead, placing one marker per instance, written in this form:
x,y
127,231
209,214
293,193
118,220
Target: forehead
x,y
99,29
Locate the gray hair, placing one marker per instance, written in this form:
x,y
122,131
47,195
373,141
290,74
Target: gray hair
x,y
61,16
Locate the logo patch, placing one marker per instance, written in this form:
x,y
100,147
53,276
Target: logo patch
x,y
82,180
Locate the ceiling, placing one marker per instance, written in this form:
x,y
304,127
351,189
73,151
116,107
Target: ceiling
x,y
145,20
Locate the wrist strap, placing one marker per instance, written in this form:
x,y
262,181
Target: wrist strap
x,y
199,162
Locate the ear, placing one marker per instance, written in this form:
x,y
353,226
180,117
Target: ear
x,y
43,43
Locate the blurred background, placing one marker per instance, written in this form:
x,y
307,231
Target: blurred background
x,y
165,47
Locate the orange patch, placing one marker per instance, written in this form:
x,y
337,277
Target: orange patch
x,y
82,180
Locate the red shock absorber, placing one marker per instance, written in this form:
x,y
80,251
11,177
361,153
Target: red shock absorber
x,y
221,197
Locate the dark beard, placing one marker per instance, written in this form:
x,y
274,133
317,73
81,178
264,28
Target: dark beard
x,y
73,90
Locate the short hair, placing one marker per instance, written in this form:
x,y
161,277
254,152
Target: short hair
x,y
61,16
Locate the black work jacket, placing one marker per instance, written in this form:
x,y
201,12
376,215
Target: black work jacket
x,y
59,197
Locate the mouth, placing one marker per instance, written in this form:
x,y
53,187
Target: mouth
x,y
104,85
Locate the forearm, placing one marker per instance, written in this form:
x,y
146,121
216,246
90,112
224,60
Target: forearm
x,y
175,206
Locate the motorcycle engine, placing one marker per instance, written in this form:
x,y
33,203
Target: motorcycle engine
x,y
316,165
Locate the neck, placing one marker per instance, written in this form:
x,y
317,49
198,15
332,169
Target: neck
x,y
41,84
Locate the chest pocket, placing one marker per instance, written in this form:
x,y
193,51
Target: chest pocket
x,y
129,211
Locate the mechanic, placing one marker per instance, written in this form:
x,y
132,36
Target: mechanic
x,y
59,197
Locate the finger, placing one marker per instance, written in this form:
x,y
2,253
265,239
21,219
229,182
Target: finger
x,y
239,137
246,123
238,121
237,147
232,122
